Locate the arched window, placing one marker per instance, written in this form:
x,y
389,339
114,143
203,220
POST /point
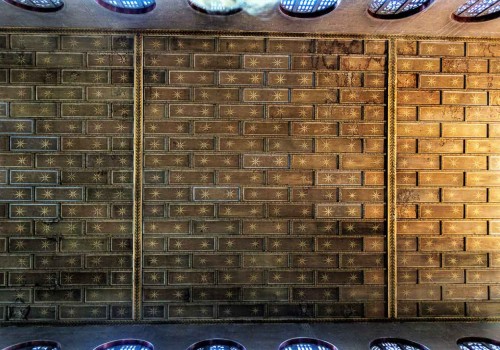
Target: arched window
x,y
126,344
395,344
38,5
215,7
128,6
35,344
216,344
477,11
308,8
306,344
475,343
394,9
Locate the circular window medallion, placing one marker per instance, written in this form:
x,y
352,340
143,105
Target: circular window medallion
x,y
308,8
476,343
36,345
216,344
126,344
478,11
129,6
38,5
306,344
395,344
394,9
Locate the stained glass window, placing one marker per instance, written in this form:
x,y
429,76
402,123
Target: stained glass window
x,y
306,344
36,345
38,5
478,344
126,344
216,7
392,9
308,8
128,6
216,344
395,344
477,10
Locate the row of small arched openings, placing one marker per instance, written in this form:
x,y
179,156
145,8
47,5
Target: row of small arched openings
x,y
470,11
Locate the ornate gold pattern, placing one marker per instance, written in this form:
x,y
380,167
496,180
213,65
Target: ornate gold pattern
x,y
138,162
391,181
391,153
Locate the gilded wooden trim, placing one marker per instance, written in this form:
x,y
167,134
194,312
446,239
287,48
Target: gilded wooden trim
x,y
138,156
232,33
391,182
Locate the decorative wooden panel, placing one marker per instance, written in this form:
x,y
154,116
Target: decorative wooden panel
x,y
250,179
264,178
448,178
66,181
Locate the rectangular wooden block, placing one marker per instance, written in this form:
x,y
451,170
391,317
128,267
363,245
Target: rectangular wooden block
x,y
353,63
339,79
464,195
419,64
456,65
490,81
464,292
413,97
464,227
441,113
441,178
464,98
482,211
235,44
436,48
266,61
440,146
183,77
483,49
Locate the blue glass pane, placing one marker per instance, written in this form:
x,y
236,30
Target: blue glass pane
x,y
478,8
38,347
324,4
305,346
376,4
465,6
478,346
217,347
393,346
413,4
307,6
493,9
44,4
128,347
393,7
130,4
